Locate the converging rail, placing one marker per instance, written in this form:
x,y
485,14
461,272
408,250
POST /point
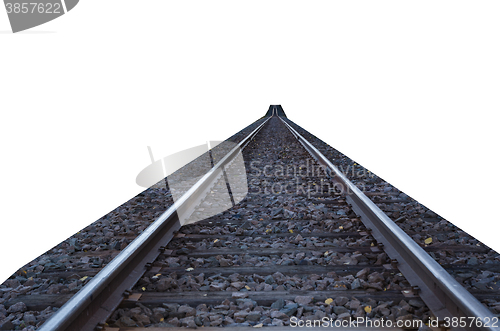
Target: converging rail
x,y
442,294
93,305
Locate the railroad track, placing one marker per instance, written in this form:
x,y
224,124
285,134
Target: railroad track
x,y
471,263
300,243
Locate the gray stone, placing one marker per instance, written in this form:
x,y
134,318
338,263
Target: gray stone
x,y
198,321
171,307
164,284
359,313
142,319
290,309
363,273
276,211
340,301
303,299
340,310
246,303
238,285
375,277
14,283
278,314
217,287
189,322
125,321
159,313
344,316
228,320
355,284
278,304
269,280
174,321
29,319
385,311
31,282
472,261
224,262
377,286
240,316
254,316
6,325
266,321
353,304
19,307
187,310
215,320
430,213
318,315
116,246
202,308
465,275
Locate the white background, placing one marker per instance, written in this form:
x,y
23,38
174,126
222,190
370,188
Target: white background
x,y
409,90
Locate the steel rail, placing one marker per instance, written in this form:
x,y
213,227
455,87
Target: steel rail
x,y
90,307
444,296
